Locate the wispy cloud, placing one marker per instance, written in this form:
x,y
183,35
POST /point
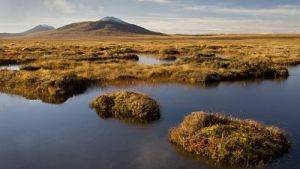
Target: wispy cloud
x,y
155,1
63,6
216,25
169,16
279,10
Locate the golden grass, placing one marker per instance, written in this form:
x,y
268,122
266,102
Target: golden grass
x,y
49,86
200,59
127,105
229,140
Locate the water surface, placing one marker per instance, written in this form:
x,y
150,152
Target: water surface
x,y
10,67
37,135
151,60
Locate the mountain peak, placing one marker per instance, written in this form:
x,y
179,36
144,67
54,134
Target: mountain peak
x,y
107,26
39,28
45,26
113,19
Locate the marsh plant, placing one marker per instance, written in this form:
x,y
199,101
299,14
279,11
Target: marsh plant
x,y
127,105
199,61
229,140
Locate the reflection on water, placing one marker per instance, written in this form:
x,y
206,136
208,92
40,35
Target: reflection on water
x,y
151,60
10,67
38,135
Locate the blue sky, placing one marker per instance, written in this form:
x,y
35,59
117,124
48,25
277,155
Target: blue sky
x,y
168,16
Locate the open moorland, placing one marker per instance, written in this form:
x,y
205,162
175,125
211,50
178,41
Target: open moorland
x,y
183,72
229,140
54,70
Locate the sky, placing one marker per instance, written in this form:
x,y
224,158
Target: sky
x,y
167,16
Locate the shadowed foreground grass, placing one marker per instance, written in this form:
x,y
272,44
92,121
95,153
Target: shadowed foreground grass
x,y
229,140
127,105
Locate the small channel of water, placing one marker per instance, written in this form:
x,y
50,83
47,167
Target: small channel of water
x,y
10,67
151,60
37,135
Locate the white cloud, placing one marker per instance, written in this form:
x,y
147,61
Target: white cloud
x,y
23,25
216,25
279,10
155,1
178,19
63,6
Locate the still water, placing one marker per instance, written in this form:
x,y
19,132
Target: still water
x,y
151,60
10,67
37,135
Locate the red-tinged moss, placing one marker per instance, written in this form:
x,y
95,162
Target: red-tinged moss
x,y
127,105
229,140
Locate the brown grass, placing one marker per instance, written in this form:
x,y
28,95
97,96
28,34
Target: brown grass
x,y
49,86
200,59
127,105
229,140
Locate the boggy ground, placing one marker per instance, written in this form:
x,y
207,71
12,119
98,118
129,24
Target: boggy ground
x,y
44,85
53,69
229,140
136,107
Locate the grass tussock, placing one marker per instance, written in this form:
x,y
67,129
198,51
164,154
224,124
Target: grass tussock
x,y
168,54
39,74
44,85
229,140
169,51
199,60
127,105
167,57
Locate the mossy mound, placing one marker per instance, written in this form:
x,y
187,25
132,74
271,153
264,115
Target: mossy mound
x,y
65,86
229,140
204,55
167,57
169,51
128,56
4,61
118,50
127,105
214,69
30,68
49,87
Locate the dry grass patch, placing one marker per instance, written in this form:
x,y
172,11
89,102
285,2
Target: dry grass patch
x,y
229,140
52,87
212,59
127,105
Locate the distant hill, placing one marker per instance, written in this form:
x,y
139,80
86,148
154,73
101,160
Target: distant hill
x,y
107,26
37,29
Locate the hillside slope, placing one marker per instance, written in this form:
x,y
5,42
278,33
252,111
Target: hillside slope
x,y
37,29
108,26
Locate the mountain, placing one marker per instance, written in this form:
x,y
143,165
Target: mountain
x,y
37,29
112,19
106,26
